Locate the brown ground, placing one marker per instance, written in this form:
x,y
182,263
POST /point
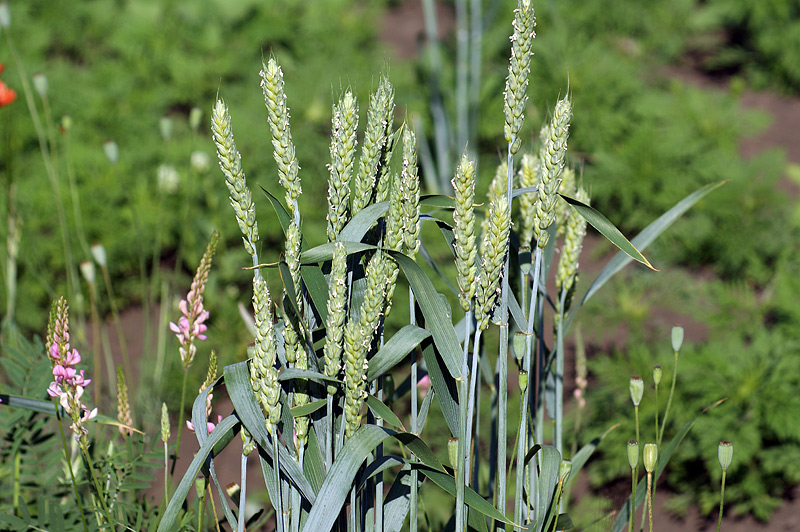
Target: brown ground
x,y
403,30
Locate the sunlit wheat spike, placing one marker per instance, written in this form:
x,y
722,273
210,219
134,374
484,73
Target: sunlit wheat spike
x,y
567,187
358,341
393,238
263,374
300,398
278,118
386,92
528,177
334,325
230,162
575,230
464,221
294,241
123,405
498,187
551,156
381,106
409,184
343,151
495,245
518,71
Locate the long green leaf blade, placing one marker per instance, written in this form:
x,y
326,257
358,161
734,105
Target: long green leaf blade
x,y
608,230
395,350
648,235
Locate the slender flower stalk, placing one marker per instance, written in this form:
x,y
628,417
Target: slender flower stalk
x,y
677,342
68,387
725,456
191,325
650,459
68,384
123,405
165,433
633,461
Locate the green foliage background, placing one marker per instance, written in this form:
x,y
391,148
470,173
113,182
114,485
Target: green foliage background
x,y
640,139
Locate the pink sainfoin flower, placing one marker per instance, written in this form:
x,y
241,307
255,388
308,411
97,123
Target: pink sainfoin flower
x,y
424,385
191,325
68,383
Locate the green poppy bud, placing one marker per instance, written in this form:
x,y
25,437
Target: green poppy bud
x,y
725,454
657,374
650,456
637,390
452,452
519,343
111,150
165,127
677,338
5,15
633,453
195,116
523,380
564,469
40,84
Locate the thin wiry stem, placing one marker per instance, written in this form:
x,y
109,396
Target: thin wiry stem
x,y
414,412
242,493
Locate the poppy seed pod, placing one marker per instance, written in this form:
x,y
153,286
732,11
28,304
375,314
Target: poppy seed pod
x,y
677,338
5,15
40,84
650,457
87,269
637,390
633,453
99,254
725,454
111,150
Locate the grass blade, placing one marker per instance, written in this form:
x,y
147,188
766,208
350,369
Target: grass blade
x,y
608,230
